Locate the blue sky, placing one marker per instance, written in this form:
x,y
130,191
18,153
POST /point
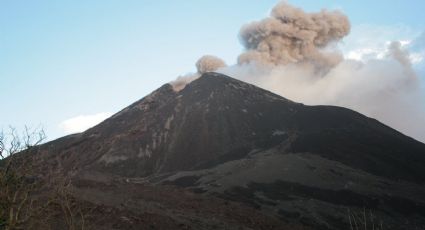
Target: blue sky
x,y
68,59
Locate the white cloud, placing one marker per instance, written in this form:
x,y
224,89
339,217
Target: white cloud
x,y
370,42
82,122
417,58
364,54
371,53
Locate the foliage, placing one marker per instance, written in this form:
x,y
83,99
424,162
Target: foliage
x,y
16,185
21,204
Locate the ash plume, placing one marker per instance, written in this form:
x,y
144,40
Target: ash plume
x,y
182,81
209,63
386,89
295,54
206,63
291,35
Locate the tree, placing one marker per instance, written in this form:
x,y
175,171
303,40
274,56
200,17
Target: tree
x,y
17,205
24,201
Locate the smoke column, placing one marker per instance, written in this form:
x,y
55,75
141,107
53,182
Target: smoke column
x,y
207,63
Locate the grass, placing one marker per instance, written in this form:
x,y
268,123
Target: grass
x,y
365,220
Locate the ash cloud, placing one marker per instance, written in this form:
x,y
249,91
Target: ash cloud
x,y
387,89
182,81
207,63
291,35
295,54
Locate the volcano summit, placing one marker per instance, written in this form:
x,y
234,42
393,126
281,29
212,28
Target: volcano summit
x,y
220,138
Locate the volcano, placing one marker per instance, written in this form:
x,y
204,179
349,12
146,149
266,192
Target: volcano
x,y
272,161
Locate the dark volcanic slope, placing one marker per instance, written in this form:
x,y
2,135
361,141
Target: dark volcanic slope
x,y
217,118
255,147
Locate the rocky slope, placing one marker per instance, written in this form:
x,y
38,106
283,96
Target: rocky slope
x,y
219,137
